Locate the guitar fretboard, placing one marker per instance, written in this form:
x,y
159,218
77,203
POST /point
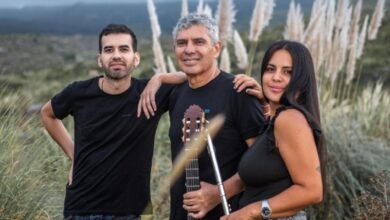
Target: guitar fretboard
x,y
192,175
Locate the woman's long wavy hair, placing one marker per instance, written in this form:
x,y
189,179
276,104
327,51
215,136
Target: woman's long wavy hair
x,y
301,92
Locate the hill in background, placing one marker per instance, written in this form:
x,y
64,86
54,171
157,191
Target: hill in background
x,y
88,19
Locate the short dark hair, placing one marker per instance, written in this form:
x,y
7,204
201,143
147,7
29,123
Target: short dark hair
x,y
118,29
301,92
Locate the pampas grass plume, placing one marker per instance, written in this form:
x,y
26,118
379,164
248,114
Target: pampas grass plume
x,y
225,60
153,18
184,8
262,14
171,66
330,22
294,25
351,61
240,51
362,38
158,56
208,11
225,19
343,43
354,29
342,7
199,8
314,27
376,20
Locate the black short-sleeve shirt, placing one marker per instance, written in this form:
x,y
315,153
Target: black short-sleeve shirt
x,y
244,119
113,148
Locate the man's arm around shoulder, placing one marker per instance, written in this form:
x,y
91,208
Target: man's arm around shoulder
x,y
147,103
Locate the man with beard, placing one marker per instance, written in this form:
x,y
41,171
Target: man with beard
x,y
112,151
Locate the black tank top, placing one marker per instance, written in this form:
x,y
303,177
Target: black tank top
x,y
262,168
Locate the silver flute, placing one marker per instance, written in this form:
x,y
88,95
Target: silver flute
x,y
211,149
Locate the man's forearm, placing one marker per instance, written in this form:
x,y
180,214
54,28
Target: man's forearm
x,y
172,78
61,136
57,130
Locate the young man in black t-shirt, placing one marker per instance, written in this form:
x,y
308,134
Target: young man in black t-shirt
x,y
112,150
197,48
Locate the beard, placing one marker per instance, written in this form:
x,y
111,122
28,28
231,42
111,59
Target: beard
x,y
118,74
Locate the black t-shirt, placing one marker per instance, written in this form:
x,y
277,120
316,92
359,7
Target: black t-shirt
x,y
244,120
113,148
262,168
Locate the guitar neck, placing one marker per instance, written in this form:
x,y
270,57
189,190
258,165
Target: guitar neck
x,y
190,218
193,123
192,178
192,175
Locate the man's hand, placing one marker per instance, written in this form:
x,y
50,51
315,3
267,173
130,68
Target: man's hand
x,y
147,102
199,202
251,86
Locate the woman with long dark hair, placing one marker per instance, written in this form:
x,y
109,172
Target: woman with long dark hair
x,y
283,171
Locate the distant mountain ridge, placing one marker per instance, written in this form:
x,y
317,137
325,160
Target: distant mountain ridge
x,y
87,19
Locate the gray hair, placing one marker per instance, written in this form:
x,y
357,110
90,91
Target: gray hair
x,y
197,19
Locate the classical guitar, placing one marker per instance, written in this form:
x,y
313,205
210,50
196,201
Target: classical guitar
x,y
193,123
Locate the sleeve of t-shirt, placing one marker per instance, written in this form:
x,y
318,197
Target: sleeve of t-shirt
x,y
62,102
162,97
247,115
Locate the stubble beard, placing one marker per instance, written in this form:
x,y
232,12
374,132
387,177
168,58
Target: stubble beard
x,y
118,75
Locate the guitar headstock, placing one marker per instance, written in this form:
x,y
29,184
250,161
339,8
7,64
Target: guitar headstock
x,y
193,122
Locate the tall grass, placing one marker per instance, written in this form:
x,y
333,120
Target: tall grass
x,y
161,167
32,174
357,141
